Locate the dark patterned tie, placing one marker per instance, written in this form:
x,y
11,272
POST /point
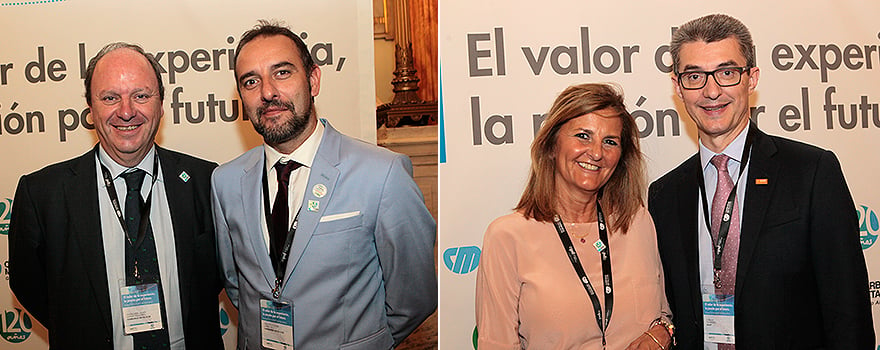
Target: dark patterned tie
x,y
280,211
141,254
731,248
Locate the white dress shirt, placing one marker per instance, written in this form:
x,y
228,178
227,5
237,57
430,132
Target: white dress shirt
x,y
710,175
114,246
299,178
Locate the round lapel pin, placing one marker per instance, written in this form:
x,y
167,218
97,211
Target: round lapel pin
x,y
319,190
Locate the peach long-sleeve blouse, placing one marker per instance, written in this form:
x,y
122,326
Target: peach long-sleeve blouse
x,y
529,296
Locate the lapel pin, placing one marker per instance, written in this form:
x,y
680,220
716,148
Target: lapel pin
x,y
319,190
313,205
761,181
599,246
184,176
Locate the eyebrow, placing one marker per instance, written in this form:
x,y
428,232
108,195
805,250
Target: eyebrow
x,y
146,89
616,137
591,132
278,65
283,64
692,67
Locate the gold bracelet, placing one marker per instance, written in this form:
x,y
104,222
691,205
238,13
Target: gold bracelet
x,y
655,340
668,327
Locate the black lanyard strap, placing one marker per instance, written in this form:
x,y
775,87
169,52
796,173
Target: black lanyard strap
x,y
605,255
117,208
281,267
719,242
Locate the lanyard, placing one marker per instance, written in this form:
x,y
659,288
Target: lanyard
x,y
719,243
606,269
145,210
285,251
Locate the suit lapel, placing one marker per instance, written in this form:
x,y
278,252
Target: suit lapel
x,y
81,194
689,225
323,172
757,200
252,202
182,216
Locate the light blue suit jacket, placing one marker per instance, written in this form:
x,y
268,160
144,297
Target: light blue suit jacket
x,y
363,281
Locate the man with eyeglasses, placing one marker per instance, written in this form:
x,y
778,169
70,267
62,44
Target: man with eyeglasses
x,y
758,234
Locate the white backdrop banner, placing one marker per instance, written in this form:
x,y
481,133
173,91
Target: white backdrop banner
x,y
44,119
503,63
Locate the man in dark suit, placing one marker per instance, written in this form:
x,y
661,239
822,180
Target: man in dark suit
x,y
777,264
91,238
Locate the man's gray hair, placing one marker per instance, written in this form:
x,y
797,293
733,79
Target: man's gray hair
x,y
709,29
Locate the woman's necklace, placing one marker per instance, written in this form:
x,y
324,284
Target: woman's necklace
x,y
603,249
579,231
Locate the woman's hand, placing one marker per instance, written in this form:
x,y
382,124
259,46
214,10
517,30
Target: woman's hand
x,y
645,342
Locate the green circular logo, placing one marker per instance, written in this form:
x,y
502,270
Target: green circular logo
x,y
16,326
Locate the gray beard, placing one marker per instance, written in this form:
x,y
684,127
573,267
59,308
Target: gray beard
x,y
284,132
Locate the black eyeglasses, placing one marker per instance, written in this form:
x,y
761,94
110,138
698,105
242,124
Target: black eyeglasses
x,y
727,76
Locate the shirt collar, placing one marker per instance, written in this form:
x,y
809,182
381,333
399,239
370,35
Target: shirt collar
x,y
304,154
117,169
734,150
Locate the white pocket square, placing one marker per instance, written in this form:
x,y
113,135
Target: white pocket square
x,y
334,217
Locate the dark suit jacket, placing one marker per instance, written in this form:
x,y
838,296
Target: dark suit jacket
x,y
56,254
801,281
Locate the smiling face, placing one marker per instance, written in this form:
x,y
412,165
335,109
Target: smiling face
x,y
588,149
125,105
719,112
276,90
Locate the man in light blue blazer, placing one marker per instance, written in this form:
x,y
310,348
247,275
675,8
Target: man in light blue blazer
x,y
324,240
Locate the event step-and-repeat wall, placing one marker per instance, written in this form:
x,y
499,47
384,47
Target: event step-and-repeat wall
x,y
503,62
44,119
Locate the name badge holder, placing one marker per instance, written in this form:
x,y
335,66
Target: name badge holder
x,y
718,308
141,308
141,303
602,246
718,318
276,324
276,316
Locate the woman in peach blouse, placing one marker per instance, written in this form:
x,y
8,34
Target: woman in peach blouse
x,y
575,266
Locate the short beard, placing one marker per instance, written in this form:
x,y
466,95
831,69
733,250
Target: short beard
x,y
287,131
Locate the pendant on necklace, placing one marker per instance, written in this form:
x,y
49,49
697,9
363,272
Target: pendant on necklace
x,y
575,229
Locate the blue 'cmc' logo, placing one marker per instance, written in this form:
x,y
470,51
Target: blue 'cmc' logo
x,y
5,215
868,226
16,325
462,260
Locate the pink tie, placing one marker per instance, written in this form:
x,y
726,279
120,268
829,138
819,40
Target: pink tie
x,y
731,247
